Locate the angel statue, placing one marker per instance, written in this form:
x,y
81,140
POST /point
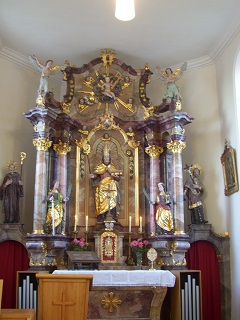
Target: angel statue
x,y
170,77
46,70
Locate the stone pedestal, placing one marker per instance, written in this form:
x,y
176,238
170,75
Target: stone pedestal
x,y
171,250
47,252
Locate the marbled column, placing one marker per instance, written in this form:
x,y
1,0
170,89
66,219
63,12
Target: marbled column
x,y
40,193
62,149
154,153
177,185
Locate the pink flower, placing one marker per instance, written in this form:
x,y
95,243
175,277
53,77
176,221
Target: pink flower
x,y
134,243
82,243
139,245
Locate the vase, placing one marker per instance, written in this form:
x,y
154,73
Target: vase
x,y
139,258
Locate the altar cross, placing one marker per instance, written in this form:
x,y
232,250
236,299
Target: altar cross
x,y
63,305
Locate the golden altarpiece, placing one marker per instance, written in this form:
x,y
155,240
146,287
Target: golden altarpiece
x,y
105,112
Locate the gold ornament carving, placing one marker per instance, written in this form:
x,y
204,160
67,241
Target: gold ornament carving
x,y
42,144
131,163
62,148
111,302
107,57
84,145
131,141
154,151
107,123
38,232
179,232
65,106
40,101
176,146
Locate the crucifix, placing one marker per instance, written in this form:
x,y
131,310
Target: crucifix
x,y
63,305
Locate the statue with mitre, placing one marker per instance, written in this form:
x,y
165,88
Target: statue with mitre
x,y
106,179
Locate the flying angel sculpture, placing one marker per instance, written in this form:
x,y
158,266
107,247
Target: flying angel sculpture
x,y
170,77
46,70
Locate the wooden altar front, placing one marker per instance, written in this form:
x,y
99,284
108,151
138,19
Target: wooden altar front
x,y
123,294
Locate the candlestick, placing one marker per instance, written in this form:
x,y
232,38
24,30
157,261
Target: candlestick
x,y
75,223
129,259
140,224
74,234
53,218
130,223
87,223
86,237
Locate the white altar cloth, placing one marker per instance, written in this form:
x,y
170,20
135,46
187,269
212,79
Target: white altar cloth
x,y
126,278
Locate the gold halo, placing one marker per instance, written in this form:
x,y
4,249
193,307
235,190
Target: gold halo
x,y
12,162
195,166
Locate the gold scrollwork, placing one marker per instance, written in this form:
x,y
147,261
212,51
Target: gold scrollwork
x,y
107,57
148,112
62,148
131,163
131,141
111,301
65,107
176,146
107,123
84,145
154,151
42,144
173,247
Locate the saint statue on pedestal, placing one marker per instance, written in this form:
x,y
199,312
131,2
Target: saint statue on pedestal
x,y
55,212
194,191
10,192
163,214
105,177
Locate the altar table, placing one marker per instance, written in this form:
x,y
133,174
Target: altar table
x,y
125,294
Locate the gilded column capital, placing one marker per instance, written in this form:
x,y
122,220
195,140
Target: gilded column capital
x,y
62,148
42,144
176,146
154,151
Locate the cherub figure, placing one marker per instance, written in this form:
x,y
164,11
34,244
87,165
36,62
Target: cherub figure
x,y
107,88
169,77
46,70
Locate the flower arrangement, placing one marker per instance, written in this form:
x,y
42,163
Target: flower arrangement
x,y
79,245
139,245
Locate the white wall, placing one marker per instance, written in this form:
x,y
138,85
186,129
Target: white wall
x,y
18,92
225,70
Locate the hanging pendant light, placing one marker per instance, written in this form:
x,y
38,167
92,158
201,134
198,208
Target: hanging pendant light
x,y
125,10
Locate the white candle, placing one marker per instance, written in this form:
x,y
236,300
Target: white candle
x,y
75,223
53,229
130,224
140,224
86,223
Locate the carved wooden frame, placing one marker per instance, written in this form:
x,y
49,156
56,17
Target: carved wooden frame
x,y
228,160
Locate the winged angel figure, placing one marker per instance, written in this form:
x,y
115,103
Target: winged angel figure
x,y
170,77
46,70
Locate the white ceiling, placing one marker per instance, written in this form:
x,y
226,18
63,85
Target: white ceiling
x,y
164,32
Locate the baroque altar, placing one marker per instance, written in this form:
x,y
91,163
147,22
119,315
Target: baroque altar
x,y
122,294
108,148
